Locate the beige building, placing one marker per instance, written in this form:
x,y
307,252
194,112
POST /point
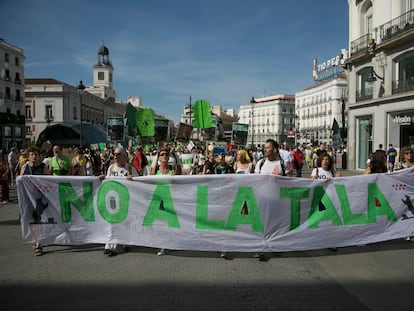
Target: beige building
x,y
49,101
12,121
380,71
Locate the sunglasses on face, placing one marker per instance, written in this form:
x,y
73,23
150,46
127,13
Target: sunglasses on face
x,y
163,154
117,154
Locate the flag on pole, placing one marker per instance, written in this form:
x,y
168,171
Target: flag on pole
x,y
130,114
336,135
202,114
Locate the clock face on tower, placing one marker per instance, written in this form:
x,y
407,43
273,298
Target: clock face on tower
x,y
101,75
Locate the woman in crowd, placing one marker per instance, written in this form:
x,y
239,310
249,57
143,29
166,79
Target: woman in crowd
x,y
406,157
377,163
298,162
209,163
243,164
34,166
324,168
163,168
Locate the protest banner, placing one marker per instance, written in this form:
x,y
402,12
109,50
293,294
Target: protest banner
x,y
203,212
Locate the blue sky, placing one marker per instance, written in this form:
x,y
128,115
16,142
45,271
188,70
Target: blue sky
x,y
223,51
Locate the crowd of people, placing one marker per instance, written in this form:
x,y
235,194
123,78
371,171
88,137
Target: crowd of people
x,y
165,159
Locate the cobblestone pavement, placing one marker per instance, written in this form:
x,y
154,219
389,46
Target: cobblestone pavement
x,y
373,277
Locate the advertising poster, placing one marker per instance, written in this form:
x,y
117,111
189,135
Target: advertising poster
x,y
115,128
162,130
184,133
239,135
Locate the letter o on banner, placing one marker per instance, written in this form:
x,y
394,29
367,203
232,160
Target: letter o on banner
x,y
123,201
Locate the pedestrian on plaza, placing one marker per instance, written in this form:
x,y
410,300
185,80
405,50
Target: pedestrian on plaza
x,y
12,160
59,165
122,169
286,157
377,163
298,162
140,161
325,169
34,166
243,164
209,163
222,167
392,154
79,164
22,161
164,168
4,180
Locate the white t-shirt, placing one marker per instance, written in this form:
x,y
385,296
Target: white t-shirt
x,y
269,167
321,173
128,169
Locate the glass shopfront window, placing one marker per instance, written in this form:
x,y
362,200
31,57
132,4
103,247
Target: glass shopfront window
x,y
364,140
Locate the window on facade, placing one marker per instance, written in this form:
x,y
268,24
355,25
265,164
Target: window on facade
x,y
18,98
110,77
406,68
6,57
28,112
49,112
17,78
17,61
101,75
75,113
7,75
364,89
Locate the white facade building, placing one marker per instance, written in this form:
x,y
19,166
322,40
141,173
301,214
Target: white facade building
x,y
12,121
380,71
269,117
316,108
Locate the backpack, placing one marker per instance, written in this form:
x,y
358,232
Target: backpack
x,y
282,164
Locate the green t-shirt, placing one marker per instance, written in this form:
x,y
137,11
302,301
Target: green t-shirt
x,y
60,166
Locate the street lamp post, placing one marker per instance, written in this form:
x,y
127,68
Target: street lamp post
x,y
81,88
252,102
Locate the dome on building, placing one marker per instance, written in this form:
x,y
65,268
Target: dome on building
x,y
103,50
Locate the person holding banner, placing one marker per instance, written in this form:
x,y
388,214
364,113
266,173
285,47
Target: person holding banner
x,y
324,169
163,168
120,168
34,167
272,163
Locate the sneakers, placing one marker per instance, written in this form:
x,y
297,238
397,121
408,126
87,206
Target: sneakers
x,y
259,256
162,252
3,202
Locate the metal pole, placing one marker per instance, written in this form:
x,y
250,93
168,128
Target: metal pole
x,y
252,102
81,87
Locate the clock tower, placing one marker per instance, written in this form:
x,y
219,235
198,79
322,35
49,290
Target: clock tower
x,y
102,75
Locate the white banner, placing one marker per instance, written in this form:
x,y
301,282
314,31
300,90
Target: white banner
x,y
208,212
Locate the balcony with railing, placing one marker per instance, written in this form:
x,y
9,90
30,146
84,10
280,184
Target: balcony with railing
x,y
402,86
361,44
397,26
365,94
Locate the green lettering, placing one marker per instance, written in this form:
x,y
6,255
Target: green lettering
x,y
69,197
295,195
253,218
348,217
110,193
327,212
202,221
378,204
161,207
